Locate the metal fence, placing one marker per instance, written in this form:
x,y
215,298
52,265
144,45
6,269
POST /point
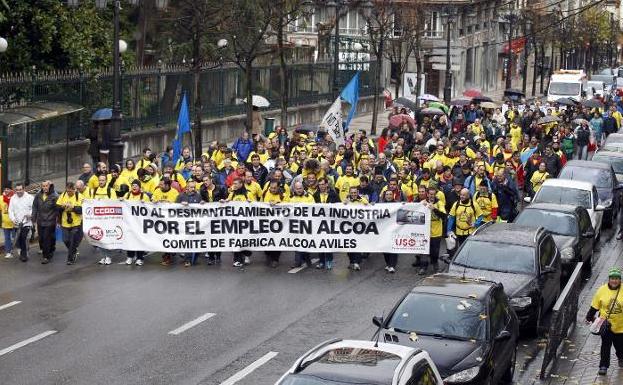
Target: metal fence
x,y
151,95
564,316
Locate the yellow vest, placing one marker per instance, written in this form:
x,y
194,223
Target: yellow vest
x,y
465,217
76,201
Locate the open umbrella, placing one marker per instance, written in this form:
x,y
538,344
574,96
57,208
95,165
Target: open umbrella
x,y
482,98
432,111
102,114
397,120
488,105
514,91
439,105
405,102
548,119
258,101
472,93
566,102
593,103
429,97
460,102
580,121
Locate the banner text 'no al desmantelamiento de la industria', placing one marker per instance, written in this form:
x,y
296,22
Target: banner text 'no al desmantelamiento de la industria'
x,y
235,226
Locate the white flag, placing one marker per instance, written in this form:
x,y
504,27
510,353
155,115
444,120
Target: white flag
x,y
332,122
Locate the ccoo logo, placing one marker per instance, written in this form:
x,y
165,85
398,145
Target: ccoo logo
x,y
108,210
96,233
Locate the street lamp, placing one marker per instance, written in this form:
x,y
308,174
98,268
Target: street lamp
x,y
4,45
119,47
447,88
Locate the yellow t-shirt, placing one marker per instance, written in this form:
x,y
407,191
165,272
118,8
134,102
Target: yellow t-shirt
x,y
76,201
486,203
94,181
537,179
515,135
103,193
602,301
143,197
162,196
269,197
465,217
436,222
254,191
344,183
305,198
6,221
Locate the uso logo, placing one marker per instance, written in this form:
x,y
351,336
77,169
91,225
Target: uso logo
x,y
96,233
107,210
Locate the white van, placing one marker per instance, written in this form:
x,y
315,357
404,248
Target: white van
x,y
567,84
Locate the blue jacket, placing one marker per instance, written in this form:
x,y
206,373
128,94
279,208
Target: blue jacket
x,y
242,148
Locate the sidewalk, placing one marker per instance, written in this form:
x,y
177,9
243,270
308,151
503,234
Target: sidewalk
x,y
578,361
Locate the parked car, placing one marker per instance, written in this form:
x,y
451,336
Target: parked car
x,y
615,159
614,142
571,229
467,326
362,362
524,259
602,176
575,193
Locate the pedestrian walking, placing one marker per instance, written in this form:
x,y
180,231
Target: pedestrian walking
x,y
69,204
391,259
103,191
20,212
299,195
438,216
135,194
464,217
7,224
189,196
45,216
608,302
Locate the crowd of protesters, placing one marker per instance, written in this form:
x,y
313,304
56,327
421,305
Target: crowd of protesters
x,y
470,167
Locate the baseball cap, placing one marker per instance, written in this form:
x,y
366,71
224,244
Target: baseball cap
x,y
614,272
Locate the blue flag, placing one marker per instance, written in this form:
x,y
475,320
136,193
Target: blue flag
x,y
183,126
350,94
526,155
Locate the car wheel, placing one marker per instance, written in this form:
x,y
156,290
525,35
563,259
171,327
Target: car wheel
x,y
510,372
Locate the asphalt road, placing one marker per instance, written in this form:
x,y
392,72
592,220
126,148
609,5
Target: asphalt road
x,y
118,324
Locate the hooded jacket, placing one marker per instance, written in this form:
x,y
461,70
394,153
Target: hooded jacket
x,y
45,212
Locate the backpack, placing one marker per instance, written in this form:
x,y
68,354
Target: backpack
x,y
108,189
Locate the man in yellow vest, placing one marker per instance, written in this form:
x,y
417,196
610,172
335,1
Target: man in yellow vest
x,y
103,192
299,195
437,216
70,205
464,217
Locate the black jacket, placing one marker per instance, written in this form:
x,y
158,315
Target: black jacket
x,y
45,213
553,165
185,197
331,198
219,193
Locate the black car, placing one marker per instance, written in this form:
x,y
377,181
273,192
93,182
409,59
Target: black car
x,y
613,158
467,326
571,228
524,259
603,177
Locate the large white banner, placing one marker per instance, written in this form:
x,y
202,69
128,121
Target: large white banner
x,y
235,226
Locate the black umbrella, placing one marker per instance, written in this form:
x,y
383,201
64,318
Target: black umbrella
x,y
566,102
410,104
514,91
482,98
593,103
548,119
460,102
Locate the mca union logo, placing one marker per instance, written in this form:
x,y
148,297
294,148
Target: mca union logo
x,y
116,233
96,233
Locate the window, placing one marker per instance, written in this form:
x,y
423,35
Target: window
x,y
547,251
423,374
433,26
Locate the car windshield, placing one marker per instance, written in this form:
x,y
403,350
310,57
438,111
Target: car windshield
x,y
506,258
600,178
565,89
430,314
347,365
554,221
616,162
564,196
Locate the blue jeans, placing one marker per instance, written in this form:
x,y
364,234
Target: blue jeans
x,y
8,240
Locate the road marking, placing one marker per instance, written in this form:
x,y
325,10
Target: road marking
x,y
303,267
26,342
8,305
249,369
192,323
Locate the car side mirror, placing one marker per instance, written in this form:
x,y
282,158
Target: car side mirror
x,y
589,234
547,270
600,208
377,321
446,258
504,335
527,199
